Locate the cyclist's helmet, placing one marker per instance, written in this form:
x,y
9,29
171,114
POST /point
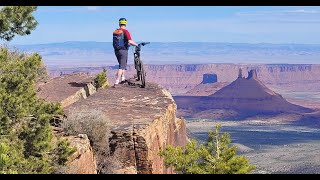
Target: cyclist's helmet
x,y
122,21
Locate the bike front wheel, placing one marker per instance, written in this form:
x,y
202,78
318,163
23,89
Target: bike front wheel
x,y
137,67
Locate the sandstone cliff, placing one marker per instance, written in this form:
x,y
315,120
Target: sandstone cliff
x,y
143,122
179,79
83,160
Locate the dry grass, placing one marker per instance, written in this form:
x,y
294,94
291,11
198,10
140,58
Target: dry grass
x,y
98,128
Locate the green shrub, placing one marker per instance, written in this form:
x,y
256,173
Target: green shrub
x,y
63,151
25,133
214,157
101,80
25,130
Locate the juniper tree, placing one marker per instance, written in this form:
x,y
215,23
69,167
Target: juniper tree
x,y
216,156
25,132
101,79
26,144
16,20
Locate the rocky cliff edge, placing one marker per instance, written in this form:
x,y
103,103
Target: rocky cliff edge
x,y
143,121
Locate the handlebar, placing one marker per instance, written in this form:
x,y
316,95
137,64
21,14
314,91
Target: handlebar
x,y
143,43
138,48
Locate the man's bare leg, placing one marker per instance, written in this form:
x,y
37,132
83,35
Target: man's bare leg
x,y
122,76
120,72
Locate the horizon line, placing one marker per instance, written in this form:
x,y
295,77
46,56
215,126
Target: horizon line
x,y
61,42
179,64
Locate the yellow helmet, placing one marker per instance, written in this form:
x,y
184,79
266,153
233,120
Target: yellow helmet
x,y
122,21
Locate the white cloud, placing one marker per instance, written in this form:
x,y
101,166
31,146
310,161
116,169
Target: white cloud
x,y
93,8
303,11
84,9
282,12
55,9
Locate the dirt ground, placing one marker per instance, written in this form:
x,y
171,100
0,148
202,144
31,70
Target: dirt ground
x,y
273,147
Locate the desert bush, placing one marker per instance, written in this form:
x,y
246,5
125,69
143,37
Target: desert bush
x,y
101,79
214,157
98,128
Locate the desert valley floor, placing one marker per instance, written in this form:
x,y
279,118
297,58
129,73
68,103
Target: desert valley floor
x,y
272,147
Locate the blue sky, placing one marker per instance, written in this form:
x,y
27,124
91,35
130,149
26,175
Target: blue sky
x,y
235,24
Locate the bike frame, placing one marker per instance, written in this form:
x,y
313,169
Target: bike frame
x,y
138,63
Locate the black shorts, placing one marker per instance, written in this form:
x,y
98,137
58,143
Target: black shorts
x,y
122,57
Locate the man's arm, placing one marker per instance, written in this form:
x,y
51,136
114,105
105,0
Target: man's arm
x,y
131,42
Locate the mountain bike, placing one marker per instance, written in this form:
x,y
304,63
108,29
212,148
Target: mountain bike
x,y
138,64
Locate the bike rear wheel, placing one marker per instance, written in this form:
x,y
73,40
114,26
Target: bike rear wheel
x,y
142,76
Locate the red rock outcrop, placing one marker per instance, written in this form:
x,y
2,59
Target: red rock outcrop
x,y
209,78
67,89
252,74
83,160
143,122
246,88
240,73
243,97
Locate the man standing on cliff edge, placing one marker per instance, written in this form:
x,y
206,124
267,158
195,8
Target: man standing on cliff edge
x,y
121,42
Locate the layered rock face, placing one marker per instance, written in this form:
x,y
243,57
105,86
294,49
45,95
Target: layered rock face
x,y
179,79
243,97
83,160
143,122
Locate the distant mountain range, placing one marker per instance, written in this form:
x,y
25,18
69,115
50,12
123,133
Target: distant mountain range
x,y
76,53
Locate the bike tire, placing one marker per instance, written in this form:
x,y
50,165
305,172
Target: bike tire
x,y
142,76
137,67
